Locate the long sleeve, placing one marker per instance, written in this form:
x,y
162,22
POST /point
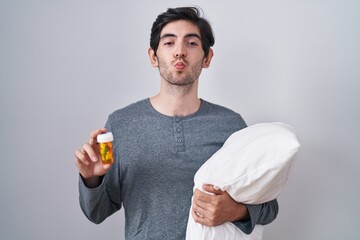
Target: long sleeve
x,y
259,214
100,202
95,202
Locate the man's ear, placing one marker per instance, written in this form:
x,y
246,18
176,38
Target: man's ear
x,y
153,59
207,59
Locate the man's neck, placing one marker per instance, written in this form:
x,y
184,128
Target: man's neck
x,y
176,101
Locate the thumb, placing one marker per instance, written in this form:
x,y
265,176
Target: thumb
x,y
106,166
211,189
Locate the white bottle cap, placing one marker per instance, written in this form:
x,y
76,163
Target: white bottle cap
x,y
105,137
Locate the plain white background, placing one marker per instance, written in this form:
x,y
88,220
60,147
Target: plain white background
x,y
65,65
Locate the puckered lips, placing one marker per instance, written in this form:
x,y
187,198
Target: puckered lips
x,y
180,66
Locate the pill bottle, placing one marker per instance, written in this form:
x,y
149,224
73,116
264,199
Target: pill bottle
x,y
106,147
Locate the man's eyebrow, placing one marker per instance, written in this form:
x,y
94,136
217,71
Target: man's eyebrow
x,y
189,35
167,35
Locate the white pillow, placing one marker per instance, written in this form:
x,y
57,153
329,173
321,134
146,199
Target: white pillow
x,y
253,166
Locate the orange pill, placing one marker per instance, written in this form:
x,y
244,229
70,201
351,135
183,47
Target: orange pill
x,y
106,147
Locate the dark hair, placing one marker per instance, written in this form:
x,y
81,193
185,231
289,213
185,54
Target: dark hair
x,y
191,14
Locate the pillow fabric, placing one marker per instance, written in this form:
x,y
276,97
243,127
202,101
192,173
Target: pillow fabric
x,y
253,166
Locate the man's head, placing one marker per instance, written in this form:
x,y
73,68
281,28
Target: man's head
x,y
191,14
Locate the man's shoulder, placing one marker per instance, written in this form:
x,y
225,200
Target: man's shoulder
x,y
130,112
212,108
216,113
135,107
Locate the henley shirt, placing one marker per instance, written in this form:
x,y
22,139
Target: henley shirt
x,y
156,158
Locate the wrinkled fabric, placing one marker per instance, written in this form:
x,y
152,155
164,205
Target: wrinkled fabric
x,y
253,166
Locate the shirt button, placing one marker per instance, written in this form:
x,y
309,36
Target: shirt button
x,y
177,119
179,140
178,130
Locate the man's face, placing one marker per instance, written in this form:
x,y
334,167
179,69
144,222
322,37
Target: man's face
x,y
180,56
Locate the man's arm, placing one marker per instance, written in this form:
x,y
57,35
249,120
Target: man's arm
x,y
212,210
258,214
96,203
99,190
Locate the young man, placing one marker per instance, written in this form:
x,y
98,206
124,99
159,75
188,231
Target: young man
x,y
160,142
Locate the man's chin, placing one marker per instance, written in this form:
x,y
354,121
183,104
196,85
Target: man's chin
x,y
182,83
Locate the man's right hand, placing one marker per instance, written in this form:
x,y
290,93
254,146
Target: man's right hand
x,y
88,161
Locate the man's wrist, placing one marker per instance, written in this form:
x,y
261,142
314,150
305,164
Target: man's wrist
x,y
92,182
242,213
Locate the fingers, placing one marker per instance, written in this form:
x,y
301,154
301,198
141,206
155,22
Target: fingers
x,y
85,155
201,196
211,189
206,202
106,167
88,158
199,211
90,152
94,134
201,204
197,216
206,207
202,216
81,158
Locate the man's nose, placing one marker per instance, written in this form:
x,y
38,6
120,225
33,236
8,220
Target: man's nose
x,y
180,51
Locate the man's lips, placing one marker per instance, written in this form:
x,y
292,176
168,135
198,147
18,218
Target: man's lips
x,y
180,65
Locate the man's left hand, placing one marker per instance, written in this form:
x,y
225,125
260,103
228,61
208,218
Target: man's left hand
x,y
216,208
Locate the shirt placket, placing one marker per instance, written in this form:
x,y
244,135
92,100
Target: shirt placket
x,y
179,134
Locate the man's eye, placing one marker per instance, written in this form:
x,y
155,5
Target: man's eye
x,y
168,43
192,44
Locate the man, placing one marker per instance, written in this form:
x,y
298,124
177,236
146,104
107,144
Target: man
x,y
160,142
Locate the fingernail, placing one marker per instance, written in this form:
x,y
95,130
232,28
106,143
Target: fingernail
x,y
94,158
